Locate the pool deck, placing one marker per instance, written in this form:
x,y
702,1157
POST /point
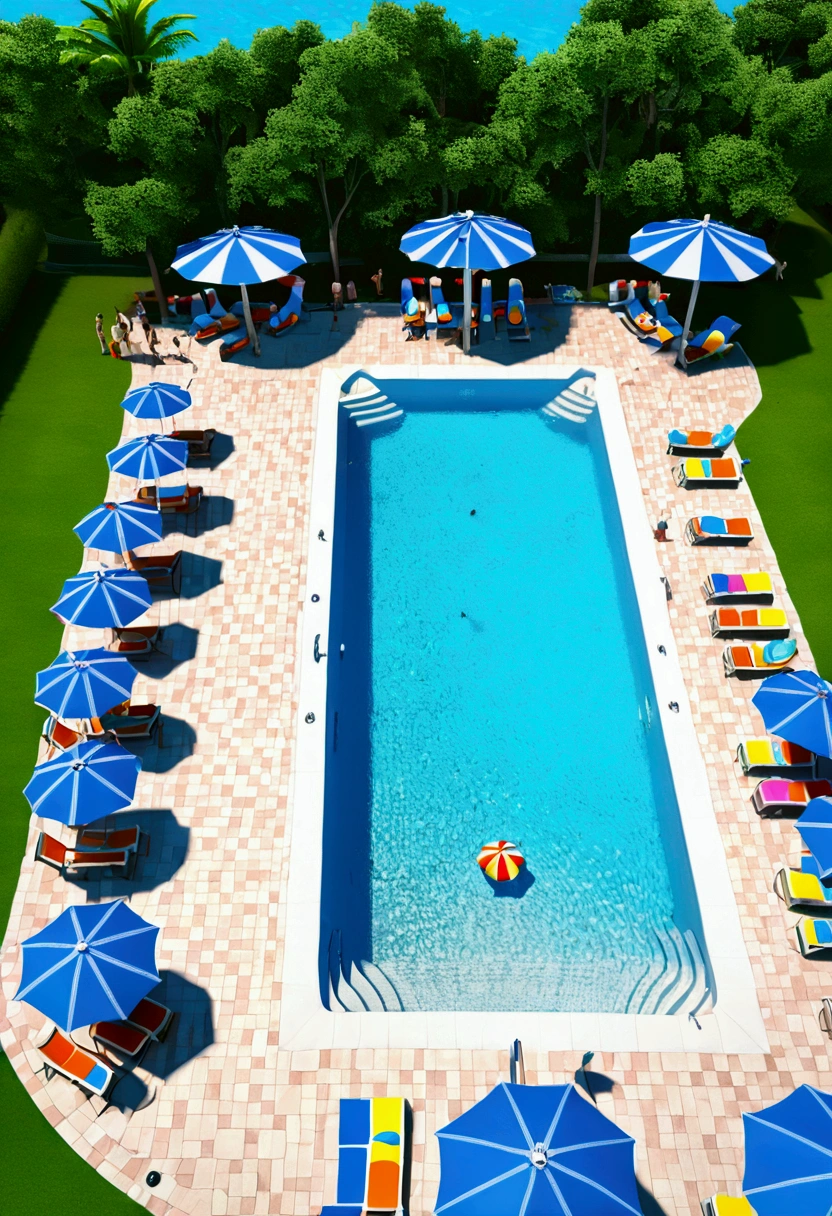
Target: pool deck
x,y
233,1123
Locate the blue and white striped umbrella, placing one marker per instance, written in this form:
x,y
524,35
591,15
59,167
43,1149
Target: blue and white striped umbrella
x,y
703,250
84,783
103,599
797,706
149,457
116,527
84,683
238,256
788,1155
815,826
93,962
156,400
474,242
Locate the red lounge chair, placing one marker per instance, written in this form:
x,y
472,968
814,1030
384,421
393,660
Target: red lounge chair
x,y
151,1018
116,838
71,861
86,1069
231,344
220,325
135,642
163,570
199,442
126,1040
774,796
59,736
132,721
183,500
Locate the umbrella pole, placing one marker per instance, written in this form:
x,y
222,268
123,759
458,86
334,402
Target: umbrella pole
x,y
252,332
682,361
466,311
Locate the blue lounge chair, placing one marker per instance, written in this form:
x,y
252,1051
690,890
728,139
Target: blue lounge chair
x,y
638,317
371,1157
486,327
517,326
716,340
290,313
411,310
667,330
700,443
441,313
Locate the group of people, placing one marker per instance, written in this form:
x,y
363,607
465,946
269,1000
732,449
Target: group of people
x,y
122,344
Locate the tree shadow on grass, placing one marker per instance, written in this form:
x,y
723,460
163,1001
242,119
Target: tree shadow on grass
x,y
33,308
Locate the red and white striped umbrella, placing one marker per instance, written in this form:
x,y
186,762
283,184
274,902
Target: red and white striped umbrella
x,y
501,860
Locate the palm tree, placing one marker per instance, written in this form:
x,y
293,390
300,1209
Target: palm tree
x,y
117,36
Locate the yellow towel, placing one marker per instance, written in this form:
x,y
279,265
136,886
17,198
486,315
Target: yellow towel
x,y
757,582
773,618
804,886
759,751
694,469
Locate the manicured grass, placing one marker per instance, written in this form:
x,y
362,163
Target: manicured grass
x,y
787,331
59,401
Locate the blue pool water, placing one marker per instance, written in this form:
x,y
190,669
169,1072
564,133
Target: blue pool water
x,y
538,25
528,718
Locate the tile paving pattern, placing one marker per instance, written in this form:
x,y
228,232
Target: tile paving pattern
x,y
233,1124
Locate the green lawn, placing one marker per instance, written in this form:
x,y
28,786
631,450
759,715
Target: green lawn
x,y
59,401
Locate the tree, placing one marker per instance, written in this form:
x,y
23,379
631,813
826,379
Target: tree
x,y
788,33
117,38
745,178
275,53
793,119
128,219
352,117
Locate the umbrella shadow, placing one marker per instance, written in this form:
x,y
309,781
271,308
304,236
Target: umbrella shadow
x,y
173,742
178,645
593,1083
192,1029
199,574
215,511
648,1202
221,449
167,841
515,889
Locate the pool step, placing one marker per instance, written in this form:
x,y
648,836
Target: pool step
x,y
367,990
678,982
367,404
388,994
575,403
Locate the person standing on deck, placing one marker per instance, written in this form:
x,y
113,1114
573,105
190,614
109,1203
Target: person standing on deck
x,y
99,329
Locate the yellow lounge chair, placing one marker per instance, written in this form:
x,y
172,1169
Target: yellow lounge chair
x,y
761,757
813,936
727,1205
802,888
724,472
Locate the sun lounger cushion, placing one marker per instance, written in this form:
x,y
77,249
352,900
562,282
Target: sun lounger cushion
x,y
443,312
751,618
714,525
126,1039
739,584
370,1153
411,308
724,469
794,795
76,1063
729,1205
775,753
817,933
779,651
803,886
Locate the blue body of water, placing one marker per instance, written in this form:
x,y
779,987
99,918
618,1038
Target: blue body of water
x,y
538,25
525,719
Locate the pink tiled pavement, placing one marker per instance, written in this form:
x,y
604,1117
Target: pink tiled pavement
x,y
233,1124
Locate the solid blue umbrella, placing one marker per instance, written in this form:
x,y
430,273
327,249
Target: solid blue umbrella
x,y
815,826
84,683
535,1150
788,1155
103,599
702,250
238,256
93,962
149,457
474,242
156,400
119,526
84,783
796,705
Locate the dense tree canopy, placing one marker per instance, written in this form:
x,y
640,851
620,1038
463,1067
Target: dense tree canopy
x,y
649,108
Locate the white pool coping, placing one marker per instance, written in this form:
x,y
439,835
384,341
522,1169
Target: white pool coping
x,y
736,1024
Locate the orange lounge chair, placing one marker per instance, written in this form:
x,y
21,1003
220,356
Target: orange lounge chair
x,y
162,571
135,642
231,345
219,325
76,861
152,1018
199,442
128,839
86,1069
59,736
749,622
756,660
126,1040
714,530
182,500
775,796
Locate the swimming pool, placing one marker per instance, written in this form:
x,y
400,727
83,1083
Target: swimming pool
x,y
552,713
492,683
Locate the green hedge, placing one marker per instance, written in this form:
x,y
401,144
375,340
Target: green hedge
x,y
21,243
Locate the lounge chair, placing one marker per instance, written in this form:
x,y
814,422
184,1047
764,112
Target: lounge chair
x,y
749,622
199,442
562,293
723,473
727,1205
517,326
638,317
621,292
232,344
172,500
152,1018
802,888
134,641
371,1133
813,936
441,314
132,721
290,313
825,1016
54,853
774,796
162,571
206,326
736,588
756,660
60,737
768,756
113,838
86,1069
126,1040
487,326
260,312
667,329
714,530
700,443
716,340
